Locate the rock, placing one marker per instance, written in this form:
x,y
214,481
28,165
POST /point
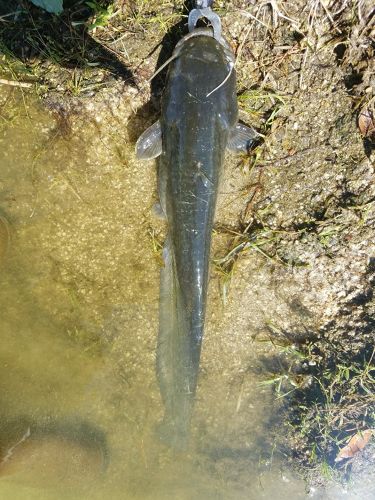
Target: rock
x,y
51,460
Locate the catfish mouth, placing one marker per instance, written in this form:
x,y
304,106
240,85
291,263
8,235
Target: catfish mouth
x,y
207,31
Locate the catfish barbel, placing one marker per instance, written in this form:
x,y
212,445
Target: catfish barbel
x,y
198,122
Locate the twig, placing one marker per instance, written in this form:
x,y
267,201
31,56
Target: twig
x,y
329,16
247,14
14,83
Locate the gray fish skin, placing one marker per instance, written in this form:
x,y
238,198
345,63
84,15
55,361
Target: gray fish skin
x,y
196,121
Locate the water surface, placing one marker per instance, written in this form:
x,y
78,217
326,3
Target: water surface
x,y
78,326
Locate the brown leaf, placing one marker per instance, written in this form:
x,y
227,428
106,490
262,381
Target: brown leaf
x,y
355,445
366,123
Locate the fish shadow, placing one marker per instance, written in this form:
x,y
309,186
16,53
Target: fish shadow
x,y
149,112
30,34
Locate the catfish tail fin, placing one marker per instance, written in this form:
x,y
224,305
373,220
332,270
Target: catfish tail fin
x,y
175,368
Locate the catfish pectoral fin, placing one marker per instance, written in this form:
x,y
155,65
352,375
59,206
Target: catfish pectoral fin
x,y
241,138
158,212
149,145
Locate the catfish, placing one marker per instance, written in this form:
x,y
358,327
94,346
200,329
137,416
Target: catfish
x,y
198,122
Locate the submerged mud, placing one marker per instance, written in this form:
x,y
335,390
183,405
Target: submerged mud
x,y
79,297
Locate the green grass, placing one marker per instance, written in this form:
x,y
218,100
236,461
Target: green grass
x,y
101,15
257,103
328,396
338,402
157,244
240,245
13,67
262,240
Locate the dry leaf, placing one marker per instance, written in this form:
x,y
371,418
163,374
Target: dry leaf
x,y
356,444
366,123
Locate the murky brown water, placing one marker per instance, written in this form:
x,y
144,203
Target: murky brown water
x,y
78,326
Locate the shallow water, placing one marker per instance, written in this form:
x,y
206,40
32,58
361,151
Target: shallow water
x,y
78,326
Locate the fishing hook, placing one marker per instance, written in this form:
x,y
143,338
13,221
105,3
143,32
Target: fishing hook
x,y
203,10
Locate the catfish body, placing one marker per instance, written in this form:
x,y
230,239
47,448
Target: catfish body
x,y
198,122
